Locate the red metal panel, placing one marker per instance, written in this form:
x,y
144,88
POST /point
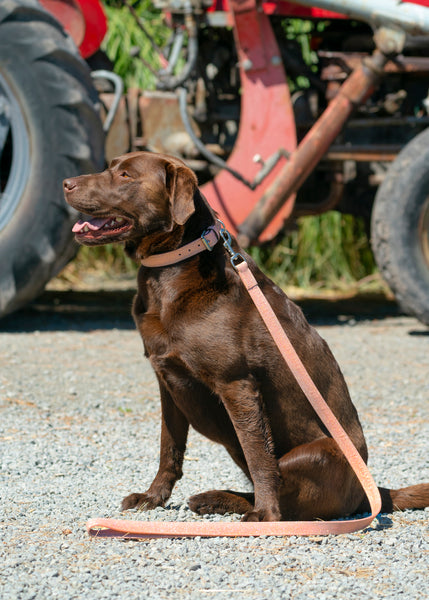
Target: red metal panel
x,y
69,14
96,26
290,9
266,124
84,21
421,2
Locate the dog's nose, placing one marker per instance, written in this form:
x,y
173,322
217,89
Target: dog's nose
x,y
69,185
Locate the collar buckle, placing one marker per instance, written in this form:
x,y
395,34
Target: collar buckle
x,y
209,245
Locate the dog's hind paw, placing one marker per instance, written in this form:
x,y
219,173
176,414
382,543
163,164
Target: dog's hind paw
x,y
218,502
205,504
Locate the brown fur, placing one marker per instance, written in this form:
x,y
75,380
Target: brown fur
x,y
217,367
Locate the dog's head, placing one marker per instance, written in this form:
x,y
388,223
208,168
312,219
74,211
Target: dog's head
x,y
139,194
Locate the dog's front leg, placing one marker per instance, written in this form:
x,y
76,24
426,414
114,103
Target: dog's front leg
x,y
174,433
244,403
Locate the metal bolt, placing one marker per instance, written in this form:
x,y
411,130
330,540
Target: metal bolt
x,y
389,40
247,64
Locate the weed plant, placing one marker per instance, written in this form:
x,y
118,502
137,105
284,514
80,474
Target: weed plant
x,y
125,42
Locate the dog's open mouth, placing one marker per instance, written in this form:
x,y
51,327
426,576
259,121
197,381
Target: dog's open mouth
x,y
96,228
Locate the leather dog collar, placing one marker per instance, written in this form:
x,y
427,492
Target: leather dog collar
x,y
206,241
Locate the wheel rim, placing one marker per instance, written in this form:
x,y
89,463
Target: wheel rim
x,y
14,153
424,230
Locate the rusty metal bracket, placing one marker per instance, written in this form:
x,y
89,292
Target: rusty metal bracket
x,y
355,90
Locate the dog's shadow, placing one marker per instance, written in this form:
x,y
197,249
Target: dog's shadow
x,y
73,311
419,333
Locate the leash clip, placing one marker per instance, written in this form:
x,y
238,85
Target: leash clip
x,y
227,244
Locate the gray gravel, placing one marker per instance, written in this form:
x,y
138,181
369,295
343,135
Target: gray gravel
x,y
79,430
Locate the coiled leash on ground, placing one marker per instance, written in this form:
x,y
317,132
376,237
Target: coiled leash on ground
x,y
157,529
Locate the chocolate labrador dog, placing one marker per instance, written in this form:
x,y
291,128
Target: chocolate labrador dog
x,y
217,366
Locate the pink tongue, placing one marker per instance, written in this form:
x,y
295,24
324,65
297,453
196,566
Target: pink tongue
x,y
93,224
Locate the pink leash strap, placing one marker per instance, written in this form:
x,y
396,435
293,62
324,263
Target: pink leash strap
x,y
157,529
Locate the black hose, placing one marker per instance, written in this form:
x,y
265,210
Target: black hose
x,y
167,82
201,147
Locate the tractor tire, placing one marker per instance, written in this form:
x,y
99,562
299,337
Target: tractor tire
x,y
400,228
50,129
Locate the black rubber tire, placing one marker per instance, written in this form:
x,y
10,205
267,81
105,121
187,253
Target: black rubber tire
x,y
400,228
56,132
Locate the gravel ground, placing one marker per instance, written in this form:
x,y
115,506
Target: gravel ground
x,y
79,430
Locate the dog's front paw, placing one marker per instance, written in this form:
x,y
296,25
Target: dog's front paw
x,y
261,515
142,501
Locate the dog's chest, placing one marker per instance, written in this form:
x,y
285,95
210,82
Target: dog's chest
x,y
166,319
156,339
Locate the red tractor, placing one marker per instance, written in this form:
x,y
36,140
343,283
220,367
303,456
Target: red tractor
x,y
354,138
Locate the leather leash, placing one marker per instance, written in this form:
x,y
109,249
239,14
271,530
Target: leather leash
x,y
158,529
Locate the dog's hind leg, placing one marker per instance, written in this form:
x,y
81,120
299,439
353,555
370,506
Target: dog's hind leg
x,y
221,502
318,483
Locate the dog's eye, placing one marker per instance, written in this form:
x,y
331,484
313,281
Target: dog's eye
x,y
125,175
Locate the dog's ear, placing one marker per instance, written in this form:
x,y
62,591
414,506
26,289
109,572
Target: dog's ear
x,y
181,184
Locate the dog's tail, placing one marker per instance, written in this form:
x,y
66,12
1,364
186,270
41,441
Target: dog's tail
x,y
413,496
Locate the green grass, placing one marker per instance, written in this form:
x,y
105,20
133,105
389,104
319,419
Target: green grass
x,y
326,251
111,258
